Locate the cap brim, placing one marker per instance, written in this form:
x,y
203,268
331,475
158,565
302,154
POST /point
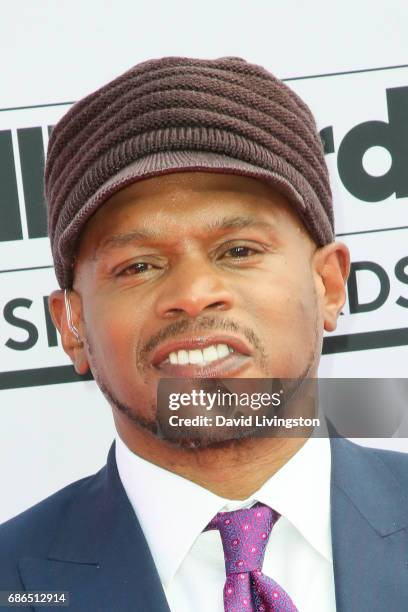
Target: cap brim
x,y
168,162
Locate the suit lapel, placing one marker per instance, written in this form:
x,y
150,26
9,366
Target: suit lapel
x,y
369,535
100,554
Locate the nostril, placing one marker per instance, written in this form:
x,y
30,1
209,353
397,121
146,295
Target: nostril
x,y
174,312
217,305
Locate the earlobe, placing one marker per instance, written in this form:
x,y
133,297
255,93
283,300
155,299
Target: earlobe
x,y
332,264
65,309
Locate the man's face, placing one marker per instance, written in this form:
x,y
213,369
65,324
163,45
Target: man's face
x,y
196,274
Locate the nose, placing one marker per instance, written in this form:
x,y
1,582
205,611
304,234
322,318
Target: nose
x,y
194,288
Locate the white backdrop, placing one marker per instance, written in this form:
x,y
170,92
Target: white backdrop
x,y
354,55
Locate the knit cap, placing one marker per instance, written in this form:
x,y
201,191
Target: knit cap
x,y
179,114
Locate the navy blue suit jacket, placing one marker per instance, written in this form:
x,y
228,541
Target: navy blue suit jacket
x,y
85,539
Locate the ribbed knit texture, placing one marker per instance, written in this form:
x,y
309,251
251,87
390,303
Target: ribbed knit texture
x,y
226,107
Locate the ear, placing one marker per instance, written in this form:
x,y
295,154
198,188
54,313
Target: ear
x,y
332,266
72,346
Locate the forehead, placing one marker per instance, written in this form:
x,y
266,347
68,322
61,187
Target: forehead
x,y
188,203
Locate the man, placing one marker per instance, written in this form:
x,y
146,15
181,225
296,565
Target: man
x,y
191,226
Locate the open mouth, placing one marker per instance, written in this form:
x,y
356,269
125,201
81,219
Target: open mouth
x,y
202,357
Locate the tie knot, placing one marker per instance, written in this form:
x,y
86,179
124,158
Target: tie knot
x,y
244,535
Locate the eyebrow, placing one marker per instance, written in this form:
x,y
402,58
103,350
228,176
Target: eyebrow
x,y
117,241
238,222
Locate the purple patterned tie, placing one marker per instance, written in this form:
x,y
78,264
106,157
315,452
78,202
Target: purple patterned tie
x,y
244,534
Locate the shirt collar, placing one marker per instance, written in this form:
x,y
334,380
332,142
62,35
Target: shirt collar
x,y
299,491
172,510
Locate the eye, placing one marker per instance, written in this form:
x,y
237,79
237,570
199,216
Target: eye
x,y
136,268
240,251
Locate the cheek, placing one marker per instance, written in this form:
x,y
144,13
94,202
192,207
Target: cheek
x,y
113,329
291,317
283,301
283,310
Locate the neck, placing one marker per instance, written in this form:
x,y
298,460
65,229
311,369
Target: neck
x,y
234,471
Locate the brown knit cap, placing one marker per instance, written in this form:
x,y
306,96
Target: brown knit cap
x,y
175,114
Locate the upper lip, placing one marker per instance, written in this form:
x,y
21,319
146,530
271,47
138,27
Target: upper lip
x,y
198,342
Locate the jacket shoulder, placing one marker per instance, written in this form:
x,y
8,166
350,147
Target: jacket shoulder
x,y
395,461
30,533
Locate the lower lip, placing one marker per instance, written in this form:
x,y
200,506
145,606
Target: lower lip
x,y
231,365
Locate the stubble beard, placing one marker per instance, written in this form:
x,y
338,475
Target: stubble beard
x,y
194,444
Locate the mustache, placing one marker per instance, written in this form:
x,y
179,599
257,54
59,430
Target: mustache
x,y
203,324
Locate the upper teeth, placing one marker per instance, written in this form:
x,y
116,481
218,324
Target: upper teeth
x,y
200,356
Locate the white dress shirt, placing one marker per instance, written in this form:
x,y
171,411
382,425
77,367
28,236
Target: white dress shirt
x,y
173,512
